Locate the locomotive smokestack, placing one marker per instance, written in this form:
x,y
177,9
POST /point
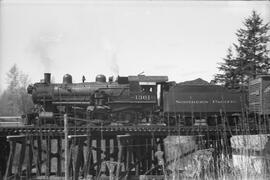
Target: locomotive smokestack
x,y
47,78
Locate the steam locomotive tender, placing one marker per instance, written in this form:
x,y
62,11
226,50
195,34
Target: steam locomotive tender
x,y
203,104
128,100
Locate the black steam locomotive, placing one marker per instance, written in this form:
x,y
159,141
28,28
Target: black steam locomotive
x,y
127,100
136,100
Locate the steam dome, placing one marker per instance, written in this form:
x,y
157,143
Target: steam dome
x,y
67,79
101,78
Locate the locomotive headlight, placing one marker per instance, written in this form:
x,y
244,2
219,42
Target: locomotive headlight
x,y
30,89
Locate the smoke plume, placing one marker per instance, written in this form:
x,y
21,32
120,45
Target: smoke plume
x,y
114,65
112,56
43,47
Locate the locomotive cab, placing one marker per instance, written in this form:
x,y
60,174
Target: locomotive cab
x,y
142,100
149,88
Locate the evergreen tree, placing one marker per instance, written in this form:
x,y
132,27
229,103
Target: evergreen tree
x,y
15,100
252,55
228,77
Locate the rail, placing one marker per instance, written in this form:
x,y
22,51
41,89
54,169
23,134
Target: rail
x,y
135,130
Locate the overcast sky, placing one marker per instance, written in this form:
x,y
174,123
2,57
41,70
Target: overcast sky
x,y
183,40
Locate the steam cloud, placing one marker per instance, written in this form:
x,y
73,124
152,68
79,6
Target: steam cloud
x,y
114,65
43,46
112,55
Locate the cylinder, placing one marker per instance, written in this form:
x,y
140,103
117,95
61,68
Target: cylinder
x,y
47,78
67,79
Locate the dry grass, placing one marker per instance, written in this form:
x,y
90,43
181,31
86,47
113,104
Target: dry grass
x,y
202,165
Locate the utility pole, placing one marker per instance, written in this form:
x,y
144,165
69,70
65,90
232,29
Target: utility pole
x,y
66,145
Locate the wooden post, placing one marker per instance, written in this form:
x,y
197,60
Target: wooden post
x,y
111,166
138,154
48,156
10,159
69,160
123,140
59,156
115,149
78,159
162,148
136,157
88,161
143,152
229,147
119,159
128,158
30,157
13,140
107,151
77,141
73,156
39,156
21,159
149,154
154,149
98,150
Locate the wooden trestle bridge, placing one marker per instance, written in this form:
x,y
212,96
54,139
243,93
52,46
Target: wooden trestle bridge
x,y
95,151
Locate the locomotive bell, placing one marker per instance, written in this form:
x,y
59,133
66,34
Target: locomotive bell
x,y
101,78
67,79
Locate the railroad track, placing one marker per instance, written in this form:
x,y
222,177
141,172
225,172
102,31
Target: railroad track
x,y
134,130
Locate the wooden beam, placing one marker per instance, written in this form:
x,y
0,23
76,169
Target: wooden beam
x,y
88,163
98,152
149,154
123,141
107,153
115,149
18,138
39,157
138,156
30,157
144,152
78,160
48,155
21,158
69,160
119,159
128,158
84,136
111,165
10,160
59,156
